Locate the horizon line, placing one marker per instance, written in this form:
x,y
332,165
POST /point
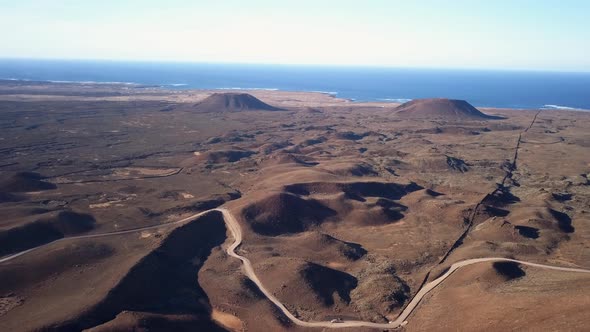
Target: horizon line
x,y
246,63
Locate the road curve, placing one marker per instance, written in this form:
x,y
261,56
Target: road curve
x,y
236,231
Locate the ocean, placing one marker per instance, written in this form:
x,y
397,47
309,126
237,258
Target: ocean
x,y
483,88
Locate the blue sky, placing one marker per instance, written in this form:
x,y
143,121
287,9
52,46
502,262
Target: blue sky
x,y
516,34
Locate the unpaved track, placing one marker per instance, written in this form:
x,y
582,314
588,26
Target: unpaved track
x,y
127,231
236,232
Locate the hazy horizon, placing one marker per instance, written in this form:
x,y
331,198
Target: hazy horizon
x,y
306,65
503,35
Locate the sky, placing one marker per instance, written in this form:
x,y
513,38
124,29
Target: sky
x,y
484,34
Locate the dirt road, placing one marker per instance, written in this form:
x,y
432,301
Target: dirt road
x,y
236,231
127,231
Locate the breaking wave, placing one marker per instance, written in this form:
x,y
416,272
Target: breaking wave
x,y
396,100
238,88
558,107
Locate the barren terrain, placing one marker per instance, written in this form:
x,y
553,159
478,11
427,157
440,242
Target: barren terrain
x,y
345,211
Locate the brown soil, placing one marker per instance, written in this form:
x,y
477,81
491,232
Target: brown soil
x,y
345,209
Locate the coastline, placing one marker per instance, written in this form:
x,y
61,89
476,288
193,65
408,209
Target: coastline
x,y
180,88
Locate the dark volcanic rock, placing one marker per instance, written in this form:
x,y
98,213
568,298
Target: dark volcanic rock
x,y
24,182
509,270
326,281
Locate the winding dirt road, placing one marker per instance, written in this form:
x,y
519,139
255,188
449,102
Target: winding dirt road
x,y
236,232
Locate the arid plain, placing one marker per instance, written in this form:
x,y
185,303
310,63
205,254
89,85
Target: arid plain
x,y
346,210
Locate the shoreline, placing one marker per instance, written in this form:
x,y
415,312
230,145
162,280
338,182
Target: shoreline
x,y
183,87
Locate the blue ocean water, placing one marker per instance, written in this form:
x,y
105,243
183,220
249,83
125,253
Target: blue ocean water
x,y
512,89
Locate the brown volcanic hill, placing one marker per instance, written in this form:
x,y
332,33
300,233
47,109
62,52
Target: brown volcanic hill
x,y
233,102
325,281
44,230
179,299
319,247
380,289
284,213
441,108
